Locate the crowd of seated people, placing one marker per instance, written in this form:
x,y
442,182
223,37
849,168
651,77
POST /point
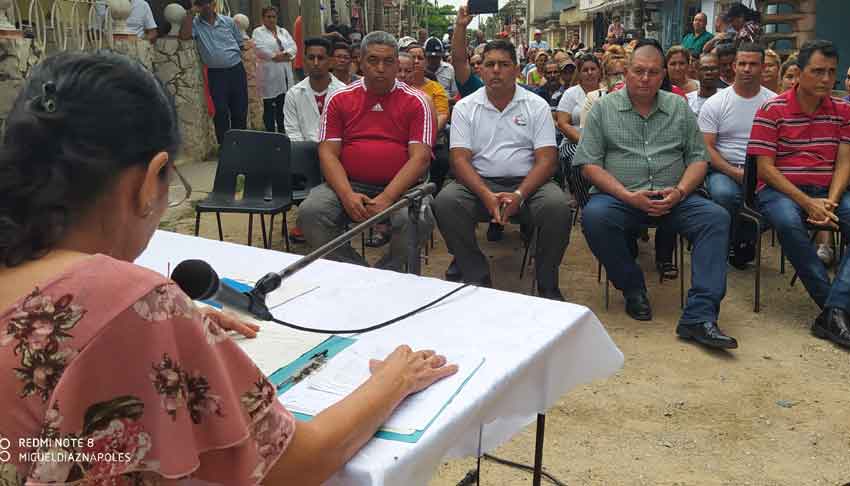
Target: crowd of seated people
x,y
647,137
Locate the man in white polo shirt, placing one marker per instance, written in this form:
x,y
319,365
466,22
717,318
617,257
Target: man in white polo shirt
x,y
503,156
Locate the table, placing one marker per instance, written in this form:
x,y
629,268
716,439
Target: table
x,y
536,350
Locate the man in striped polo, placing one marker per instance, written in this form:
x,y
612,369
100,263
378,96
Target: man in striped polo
x,y
802,140
375,142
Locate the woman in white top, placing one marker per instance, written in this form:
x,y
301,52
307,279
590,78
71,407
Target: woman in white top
x,y
275,51
589,73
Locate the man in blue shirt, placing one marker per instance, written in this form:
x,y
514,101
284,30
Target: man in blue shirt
x,y
220,46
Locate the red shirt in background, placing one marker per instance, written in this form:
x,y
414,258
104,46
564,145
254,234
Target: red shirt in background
x,y
804,145
375,131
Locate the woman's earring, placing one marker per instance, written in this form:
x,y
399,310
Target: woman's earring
x,y
148,210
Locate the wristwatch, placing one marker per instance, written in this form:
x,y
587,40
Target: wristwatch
x,y
521,197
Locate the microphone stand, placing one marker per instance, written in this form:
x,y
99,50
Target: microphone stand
x,y
411,200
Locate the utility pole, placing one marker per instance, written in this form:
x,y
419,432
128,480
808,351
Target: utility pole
x,y
311,18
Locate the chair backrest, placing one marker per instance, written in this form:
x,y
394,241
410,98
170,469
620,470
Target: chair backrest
x,y
262,157
750,180
304,163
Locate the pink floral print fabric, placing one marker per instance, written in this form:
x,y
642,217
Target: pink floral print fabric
x,y
110,376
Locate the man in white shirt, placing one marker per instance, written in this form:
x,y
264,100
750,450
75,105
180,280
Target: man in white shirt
x,y
726,120
538,42
503,155
708,73
305,101
140,21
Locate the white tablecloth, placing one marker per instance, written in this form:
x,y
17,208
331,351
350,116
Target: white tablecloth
x,y
536,350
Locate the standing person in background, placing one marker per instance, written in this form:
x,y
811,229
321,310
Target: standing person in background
x,y
696,40
789,74
709,73
342,63
678,59
275,51
745,22
219,43
421,36
770,73
616,29
538,42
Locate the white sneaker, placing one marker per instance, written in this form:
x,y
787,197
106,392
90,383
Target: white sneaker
x,y
826,254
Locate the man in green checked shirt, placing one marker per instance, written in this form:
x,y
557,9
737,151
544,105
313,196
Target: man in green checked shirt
x,y
643,153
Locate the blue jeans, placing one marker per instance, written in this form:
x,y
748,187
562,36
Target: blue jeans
x,y
726,192
789,220
607,220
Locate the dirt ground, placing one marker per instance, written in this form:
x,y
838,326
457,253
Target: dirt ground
x,y
776,411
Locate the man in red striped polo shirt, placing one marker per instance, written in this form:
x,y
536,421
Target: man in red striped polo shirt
x,y
375,140
802,140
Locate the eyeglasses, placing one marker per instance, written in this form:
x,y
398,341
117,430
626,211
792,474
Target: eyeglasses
x,y
179,188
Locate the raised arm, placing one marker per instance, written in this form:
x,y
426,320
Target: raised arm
x,y
186,26
460,63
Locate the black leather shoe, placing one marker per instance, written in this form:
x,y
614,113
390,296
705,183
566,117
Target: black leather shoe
x,y
551,294
638,308
708,334
495,232
833,324
453,272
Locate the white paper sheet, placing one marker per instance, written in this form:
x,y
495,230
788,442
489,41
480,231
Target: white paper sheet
x,y
350,368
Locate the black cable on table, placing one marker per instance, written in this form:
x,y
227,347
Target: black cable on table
x,y
376,326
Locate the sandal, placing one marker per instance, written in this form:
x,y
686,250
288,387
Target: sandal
x,y
668,270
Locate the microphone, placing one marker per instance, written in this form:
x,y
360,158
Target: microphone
x,y
420,191
200,282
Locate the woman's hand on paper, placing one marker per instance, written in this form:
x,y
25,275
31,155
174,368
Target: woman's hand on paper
x,y
416,370
230,322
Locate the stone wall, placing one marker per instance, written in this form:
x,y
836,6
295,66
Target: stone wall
x,y
255,101
17,57
178,65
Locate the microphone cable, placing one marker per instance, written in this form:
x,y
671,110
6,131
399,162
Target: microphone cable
x,y
376,326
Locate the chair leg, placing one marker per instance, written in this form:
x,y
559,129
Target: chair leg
x,y
598,271
218,220
772,237
524,260
681,251
197,222
263,228
812,241
607,285
271,229
285,233
363,244
756,306
250,227
781,260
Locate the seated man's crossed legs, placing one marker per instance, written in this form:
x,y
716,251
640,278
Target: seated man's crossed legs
x,y
322,217
607,221
788,218
458,209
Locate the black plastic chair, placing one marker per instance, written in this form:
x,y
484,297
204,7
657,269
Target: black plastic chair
x,y
749,212
262,158
305,170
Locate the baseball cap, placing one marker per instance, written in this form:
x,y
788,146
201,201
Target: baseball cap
x,y
537,31
433,47
405,42
566,64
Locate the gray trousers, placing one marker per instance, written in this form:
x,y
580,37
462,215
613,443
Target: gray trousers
x,y
322,217
458,209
